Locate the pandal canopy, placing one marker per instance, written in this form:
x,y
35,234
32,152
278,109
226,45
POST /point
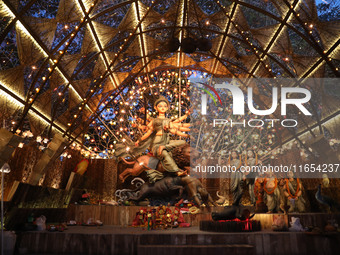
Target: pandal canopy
x,y
77,67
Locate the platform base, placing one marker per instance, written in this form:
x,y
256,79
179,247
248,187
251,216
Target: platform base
x,y
230,226
180,241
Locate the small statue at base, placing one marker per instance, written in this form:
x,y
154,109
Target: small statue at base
x,y
271,193
236,180
251,161
259,195
293,193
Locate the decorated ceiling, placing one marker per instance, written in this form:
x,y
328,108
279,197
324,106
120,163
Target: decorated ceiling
x,y
85,68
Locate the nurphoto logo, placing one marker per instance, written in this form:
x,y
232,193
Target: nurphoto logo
x,y
239,102
238,106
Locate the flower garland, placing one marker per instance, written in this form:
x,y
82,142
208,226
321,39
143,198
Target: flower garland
x,y
297,189
265,189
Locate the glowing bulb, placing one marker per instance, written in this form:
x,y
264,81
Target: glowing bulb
x,y
39,139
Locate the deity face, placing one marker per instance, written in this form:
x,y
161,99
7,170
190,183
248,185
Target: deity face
x,y
162,107
234,154
290,174
250,154
282,182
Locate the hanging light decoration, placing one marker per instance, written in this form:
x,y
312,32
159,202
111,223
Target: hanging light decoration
x,y
204,44
173,44
188,45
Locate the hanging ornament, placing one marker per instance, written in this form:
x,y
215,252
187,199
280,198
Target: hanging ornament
x,y
204,44
188,45
173,44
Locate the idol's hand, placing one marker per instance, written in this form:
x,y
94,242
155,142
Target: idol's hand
x,y
143,128
182,173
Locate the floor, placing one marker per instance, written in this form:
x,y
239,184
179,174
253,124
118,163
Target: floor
x,y
139,241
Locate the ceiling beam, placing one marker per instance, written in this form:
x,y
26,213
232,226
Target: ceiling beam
x,y
224,37
276,35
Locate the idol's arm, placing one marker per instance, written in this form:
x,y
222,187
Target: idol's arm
x,y
146,135
177,132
